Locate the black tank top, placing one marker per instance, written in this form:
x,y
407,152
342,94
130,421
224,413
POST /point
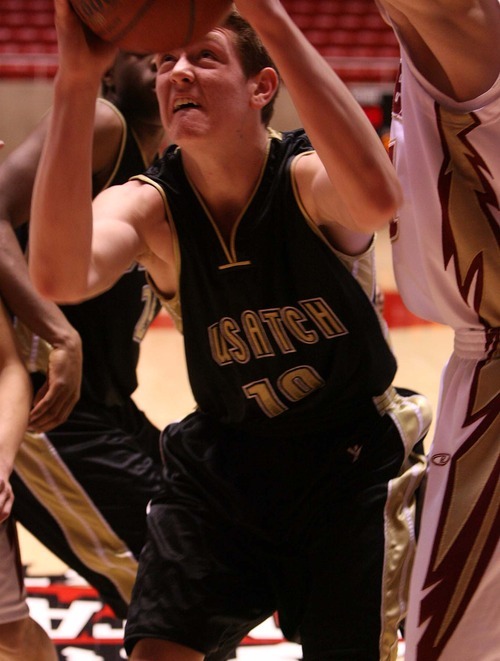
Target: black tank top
x,y
113,324
280,338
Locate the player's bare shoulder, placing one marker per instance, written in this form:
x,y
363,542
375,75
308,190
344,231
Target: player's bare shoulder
x,y
109,127
153,229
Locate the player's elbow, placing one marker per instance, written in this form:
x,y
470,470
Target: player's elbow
x,y
386,210
57,287
379,205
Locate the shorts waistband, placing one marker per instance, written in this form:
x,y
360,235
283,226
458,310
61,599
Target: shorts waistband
x,y
477,343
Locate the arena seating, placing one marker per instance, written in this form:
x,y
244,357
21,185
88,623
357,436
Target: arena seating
x,y
28,45
349,33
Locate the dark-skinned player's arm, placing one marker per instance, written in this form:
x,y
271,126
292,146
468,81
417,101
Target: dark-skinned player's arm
x,y
56,397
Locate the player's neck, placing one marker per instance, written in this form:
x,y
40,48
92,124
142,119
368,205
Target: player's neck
x,y
227,180
150,136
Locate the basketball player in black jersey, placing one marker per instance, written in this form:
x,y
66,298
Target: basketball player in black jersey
x,y
291,487
105,458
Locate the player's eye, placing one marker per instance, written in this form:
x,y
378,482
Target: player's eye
x,y
164,60
206,54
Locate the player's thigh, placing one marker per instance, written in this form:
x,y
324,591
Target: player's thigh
x,y
346,562
197,585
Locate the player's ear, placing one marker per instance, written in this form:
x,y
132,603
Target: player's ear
x,y
265,86
108,81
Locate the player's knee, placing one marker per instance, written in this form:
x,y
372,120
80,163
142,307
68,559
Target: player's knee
x,y
25,639
152,649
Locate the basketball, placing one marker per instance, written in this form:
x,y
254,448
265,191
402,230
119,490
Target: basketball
x,y
151,25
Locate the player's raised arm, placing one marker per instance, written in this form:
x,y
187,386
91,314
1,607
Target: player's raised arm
x,y
353,157
453,43
61,227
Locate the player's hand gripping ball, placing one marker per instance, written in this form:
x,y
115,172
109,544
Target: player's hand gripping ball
x,y
151,25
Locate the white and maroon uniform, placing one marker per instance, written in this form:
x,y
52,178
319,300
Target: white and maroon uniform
x,y
447,263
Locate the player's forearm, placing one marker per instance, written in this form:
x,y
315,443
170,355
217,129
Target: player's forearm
x,y
40,315
61,212
436,8
15,400
341,134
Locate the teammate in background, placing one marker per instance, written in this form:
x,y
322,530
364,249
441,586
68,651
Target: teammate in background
x,y
83,487
20,636
445,145
283,489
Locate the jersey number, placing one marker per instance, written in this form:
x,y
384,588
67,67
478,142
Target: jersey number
x,y
147,315
294,384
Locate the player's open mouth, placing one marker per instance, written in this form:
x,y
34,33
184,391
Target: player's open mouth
x,y
183,103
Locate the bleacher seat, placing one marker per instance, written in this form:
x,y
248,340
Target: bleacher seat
x,y
346,32
350,34
28,45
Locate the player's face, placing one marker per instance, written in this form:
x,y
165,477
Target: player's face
x,y
202,89
134,79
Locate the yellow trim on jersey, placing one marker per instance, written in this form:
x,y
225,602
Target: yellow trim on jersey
x,y
412,416
230,251
89,535
34,350
349,261
122,143
400,515
173,304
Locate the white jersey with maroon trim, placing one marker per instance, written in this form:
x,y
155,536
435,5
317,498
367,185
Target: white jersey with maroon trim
x,y
446,238
447,264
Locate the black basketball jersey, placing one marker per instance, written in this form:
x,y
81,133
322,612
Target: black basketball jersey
x,y
280,338
113,324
